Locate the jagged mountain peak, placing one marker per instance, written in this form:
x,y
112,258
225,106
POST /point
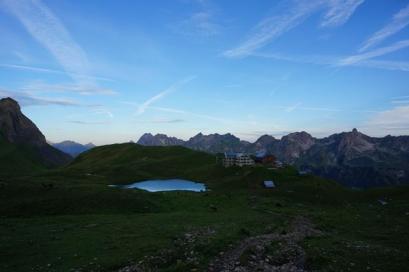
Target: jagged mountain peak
x,y
17,129
299,136
357,141
158,140
9,103
265,140
349,157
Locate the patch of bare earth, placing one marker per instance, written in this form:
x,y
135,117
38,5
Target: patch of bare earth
x,y
269,252
182,251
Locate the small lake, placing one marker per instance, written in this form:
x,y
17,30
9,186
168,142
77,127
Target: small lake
x,y
162,185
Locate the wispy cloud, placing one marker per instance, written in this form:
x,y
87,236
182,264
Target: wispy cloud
x,y
400,97
400,100
26,99
171,110
103,111
164,121
293,107
88,122
399,21
298,107
37,87
50,71
394,121
199,23
335,61
173,88
189,113
374,53
96,115
29,100
273,27
339,11
385,64
49,31
21,56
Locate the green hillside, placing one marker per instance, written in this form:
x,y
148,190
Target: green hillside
x,y
69,219
129,162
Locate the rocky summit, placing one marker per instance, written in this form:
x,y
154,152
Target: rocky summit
x,y
159,140
358,160
17,129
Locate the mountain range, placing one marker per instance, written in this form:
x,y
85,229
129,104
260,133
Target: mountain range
x,y
73,148
352,158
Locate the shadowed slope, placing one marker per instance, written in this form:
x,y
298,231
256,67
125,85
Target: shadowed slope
x,y
128,162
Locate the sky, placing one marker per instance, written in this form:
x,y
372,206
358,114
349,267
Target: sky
x,y
108,71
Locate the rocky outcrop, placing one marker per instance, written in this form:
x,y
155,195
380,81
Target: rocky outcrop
x,y
358,160
264,143
215,143
17,129
159,140
212,143
293,146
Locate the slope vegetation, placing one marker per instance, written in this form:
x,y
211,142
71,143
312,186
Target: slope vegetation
x,y
128,162
17,160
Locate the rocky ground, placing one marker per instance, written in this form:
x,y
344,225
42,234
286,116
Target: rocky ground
x,y
183,251
269,252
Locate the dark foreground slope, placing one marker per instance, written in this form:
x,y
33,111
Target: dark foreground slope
x,y
71,220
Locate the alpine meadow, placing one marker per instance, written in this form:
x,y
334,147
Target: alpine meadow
x,y
203,135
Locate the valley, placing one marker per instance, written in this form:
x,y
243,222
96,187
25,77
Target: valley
x,y
71,218
204,136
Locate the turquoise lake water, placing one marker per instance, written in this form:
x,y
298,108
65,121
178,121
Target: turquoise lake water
x,y
162,185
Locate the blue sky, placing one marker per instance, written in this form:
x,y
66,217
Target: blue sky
x,y
108,71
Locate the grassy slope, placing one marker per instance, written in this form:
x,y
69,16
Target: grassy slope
x,y
81,222
17,160
129,162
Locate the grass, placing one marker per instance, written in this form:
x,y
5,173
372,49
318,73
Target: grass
x,y
80,222
17,160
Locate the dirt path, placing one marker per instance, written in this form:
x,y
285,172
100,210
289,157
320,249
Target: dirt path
x,y
269,252
254,254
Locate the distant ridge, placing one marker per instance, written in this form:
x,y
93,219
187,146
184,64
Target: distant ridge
x,y
159,140
351,158
23,140
73,148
